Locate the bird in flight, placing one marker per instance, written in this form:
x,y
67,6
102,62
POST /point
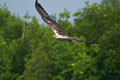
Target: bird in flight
x,y
59,32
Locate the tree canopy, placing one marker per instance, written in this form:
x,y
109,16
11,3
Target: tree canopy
x,y
28,50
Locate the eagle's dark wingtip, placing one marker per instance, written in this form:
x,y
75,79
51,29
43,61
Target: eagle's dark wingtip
x,y
36,2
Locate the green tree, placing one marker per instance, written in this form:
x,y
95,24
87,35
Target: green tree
x,y
28,50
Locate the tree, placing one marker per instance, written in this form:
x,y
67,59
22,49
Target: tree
x,y
28,50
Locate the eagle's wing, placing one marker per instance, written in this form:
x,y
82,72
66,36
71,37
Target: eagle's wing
x,y
55,27
79,40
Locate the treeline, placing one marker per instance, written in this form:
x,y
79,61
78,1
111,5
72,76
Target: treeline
x,y
28,50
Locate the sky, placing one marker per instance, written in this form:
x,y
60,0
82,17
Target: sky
x,y
51,6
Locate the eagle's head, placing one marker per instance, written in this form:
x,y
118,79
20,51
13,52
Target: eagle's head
x,y
55,36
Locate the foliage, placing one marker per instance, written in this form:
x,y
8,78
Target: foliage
x,y
29,52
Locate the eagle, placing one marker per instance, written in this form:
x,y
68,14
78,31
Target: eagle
x,y
59,32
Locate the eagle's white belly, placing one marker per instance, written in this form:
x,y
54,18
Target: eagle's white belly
x,y
60,37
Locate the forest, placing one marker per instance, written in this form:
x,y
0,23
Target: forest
x,y
28,50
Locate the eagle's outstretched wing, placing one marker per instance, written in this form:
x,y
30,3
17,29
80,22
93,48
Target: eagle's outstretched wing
x,y
79,40
55,27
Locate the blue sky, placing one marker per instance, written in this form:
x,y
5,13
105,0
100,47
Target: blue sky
x,y
51,6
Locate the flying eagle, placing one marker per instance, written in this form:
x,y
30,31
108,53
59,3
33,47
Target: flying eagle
x,y
59,32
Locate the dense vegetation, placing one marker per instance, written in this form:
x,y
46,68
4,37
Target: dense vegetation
x,y
29,52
